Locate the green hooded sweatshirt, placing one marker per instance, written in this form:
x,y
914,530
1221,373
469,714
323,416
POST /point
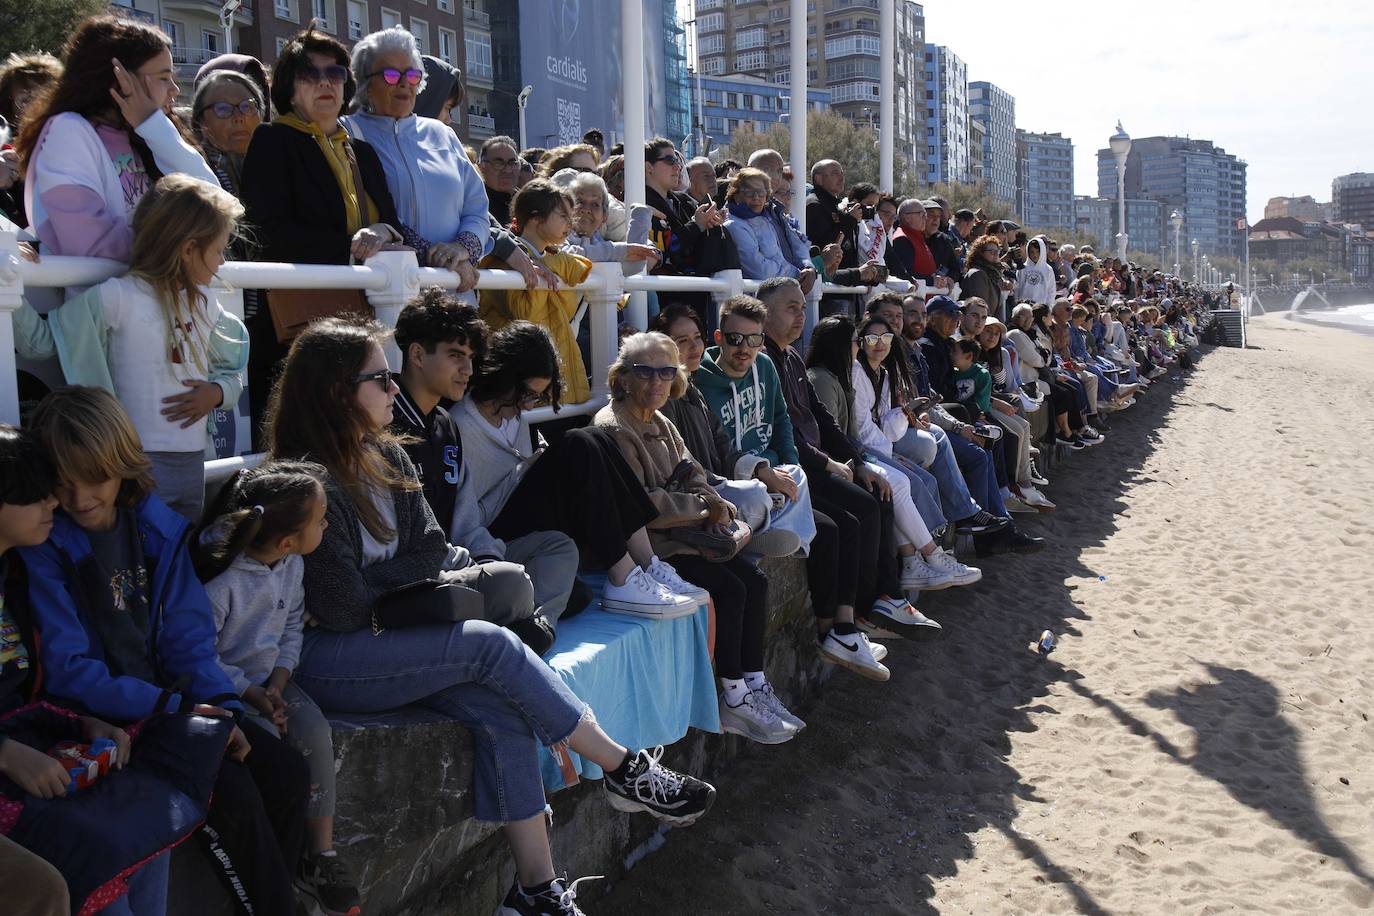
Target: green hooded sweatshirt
x,y
752,409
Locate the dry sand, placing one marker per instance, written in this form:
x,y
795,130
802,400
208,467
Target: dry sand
x,y
1198,743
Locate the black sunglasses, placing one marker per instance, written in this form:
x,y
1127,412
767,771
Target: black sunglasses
x,y
385,376
736,339
664,373
392,76
224,110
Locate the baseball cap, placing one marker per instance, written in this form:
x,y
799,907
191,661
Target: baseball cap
x,y
938,304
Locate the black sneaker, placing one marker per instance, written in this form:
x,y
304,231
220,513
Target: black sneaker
x,y
672,797
534,632
555,900
981,523
1078,444
1024,543
328,881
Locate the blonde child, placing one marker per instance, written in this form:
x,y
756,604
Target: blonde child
x,y
170,354
249,555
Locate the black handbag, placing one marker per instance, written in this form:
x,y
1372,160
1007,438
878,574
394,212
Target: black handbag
x,y
423,602
717,543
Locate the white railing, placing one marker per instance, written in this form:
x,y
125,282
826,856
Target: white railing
x,y
390,280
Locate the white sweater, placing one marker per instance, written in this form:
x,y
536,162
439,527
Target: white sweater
x,y
876,437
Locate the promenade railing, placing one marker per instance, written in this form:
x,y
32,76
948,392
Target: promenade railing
x,y
390,280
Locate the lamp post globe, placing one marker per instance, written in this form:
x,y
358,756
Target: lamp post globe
x,y
1176,220
1120,143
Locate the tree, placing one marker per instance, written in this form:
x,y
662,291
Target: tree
x,y
828,136
42,25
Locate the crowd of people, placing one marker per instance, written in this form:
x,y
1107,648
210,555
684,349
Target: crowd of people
x,y
404,542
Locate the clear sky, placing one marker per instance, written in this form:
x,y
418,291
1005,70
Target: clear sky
x,y
1286,86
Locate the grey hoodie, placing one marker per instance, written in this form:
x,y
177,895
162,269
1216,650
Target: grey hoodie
x,y
259,616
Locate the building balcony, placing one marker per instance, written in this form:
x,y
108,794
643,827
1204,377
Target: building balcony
x,y
189,60
482,126
244,16
476,18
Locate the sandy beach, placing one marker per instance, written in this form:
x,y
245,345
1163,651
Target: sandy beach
x,y
1199,742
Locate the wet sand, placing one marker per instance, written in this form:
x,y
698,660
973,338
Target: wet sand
x,y
1199,742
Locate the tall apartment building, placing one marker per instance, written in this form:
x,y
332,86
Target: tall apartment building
x,y
1044,180
1305,208
1147,229
1196,177
1353,198
947,113
752,38
995,109
730,102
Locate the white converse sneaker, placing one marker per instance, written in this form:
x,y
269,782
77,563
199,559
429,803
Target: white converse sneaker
x,y
918,575
667,577
754,720
903,617
765,696
853,652
959,573
1035,498
641,596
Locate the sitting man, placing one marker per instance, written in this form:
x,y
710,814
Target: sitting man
x,y
441,340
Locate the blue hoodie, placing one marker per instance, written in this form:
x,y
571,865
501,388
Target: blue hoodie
x,y
181,626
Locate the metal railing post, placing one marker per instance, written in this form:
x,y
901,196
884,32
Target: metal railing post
x,y
403,283
11,297
735,279
602,307
813,311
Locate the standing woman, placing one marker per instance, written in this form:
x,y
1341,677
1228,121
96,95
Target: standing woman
x,y
100,138
227,108
983,274
22,78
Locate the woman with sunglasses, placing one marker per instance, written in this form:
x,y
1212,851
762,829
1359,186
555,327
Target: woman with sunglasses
x,y
644,377
437,190
580,485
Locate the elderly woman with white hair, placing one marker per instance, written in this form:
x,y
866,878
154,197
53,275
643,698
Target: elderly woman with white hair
x,y
645,375
437,190
591,208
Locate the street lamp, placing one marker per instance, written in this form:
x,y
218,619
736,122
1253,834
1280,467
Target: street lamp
x,y
522,102
1176,220
1120,142
226,22
1197,277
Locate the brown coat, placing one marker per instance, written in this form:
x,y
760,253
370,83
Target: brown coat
x,y
653,450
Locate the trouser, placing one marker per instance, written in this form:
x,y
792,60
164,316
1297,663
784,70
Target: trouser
x,y
147,894
1106,387
1089,383
925,489
256,824
33,887
472,672
309,732
1064,400
494,590
859,518
1018,427
582,487
179,481
956,500
980,474
739,592
550,559
908,526
830,581
265,355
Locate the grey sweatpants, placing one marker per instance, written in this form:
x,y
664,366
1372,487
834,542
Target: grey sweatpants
x,y
179,480
309,732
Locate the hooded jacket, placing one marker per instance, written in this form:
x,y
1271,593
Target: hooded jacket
x,y
1035,281
440,78
752,409
706,438
260,615
181,626
757,240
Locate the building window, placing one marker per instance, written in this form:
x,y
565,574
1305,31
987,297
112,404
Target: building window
x,y
711,22
711,44
420,29
713,66
712,96
444,6
357,19
285,9
176,31
715,125
210,42
752,60
750,38
320,11
448,41
390,18
478,45
281,46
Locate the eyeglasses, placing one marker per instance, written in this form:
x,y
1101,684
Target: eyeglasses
x,y
648,373
588,204
674,159
531,399
334,73
224,110
502,163
874,339
752,194
386,377
736,339
392,76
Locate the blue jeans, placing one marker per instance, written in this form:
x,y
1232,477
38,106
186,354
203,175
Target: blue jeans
x,y
958,497
979,473
925,490
473,672
147,891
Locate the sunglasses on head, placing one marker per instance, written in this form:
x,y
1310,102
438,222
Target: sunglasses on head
x,y
530,399
225,110
392,76
736,339
647,373
384,376
334,73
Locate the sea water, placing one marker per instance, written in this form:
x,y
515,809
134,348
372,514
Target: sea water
x,y
1353,316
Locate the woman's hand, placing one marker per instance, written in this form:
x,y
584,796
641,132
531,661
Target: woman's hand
x,y
269,702
807,279
192,406
1002,407
719,512
777,482
448,255
839,470
642,253
369,240
709,216
874,483
33,771
238,748
467,276
533,273
93,728
132,97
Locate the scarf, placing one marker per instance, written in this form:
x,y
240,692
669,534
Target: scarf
x,y
338,152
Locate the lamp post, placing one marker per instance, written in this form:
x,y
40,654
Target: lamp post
x,y
1120,142
1197,277
1176,220
522,102
226,22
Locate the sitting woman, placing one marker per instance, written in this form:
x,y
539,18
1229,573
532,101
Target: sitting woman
x,y
646,374
333,404
580,486
746,480
437,190
756,236
1034,360
1005,393
127,633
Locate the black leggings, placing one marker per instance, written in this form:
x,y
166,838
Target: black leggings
x,y
740,593
257,820
1063,400
582,487
859,528
831,583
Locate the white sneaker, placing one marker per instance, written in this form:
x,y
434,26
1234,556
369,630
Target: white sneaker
x,y
878,649
641,596
765,696
753,719
918,575
1037,499
667,577
853,652
959,573
873,630
903,616
1015,504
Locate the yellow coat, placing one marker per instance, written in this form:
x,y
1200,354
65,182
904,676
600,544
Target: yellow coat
x,y
552,309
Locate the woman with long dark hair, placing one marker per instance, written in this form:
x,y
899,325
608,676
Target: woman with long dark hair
x,y
333,403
